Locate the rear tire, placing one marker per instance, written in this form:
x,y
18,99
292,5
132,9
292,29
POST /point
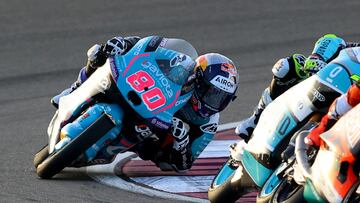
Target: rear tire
x,y
41,155
57,161
289,192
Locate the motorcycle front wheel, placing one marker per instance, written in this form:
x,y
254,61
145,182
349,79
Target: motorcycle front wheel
x,y
58,160
267,191
289,191
41,155
226,185
272,183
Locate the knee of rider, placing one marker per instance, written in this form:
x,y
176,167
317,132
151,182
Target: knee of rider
x,y
266,96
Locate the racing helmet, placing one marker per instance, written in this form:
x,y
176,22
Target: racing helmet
x,y
216,81
325,50
313,64
328,47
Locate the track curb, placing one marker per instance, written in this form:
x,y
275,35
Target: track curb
x,y
108,175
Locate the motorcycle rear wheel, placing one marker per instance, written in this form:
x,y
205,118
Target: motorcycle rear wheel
x,y
58,160
41,155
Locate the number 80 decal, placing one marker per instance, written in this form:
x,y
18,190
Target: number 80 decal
x,y
141,81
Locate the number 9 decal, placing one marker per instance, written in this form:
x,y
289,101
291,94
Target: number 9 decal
x,y
153,97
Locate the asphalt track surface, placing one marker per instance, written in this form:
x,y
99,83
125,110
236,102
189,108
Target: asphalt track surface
x,y
43,45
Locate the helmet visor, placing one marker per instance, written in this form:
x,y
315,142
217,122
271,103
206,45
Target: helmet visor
x,y
213,98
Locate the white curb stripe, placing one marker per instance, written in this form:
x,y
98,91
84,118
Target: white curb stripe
x,y
105,174
216,149
183,183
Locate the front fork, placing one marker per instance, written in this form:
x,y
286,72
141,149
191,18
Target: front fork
x,y
75,128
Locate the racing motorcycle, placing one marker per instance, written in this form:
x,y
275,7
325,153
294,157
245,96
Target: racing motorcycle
x,y
349,61
251,164
130,98
332,174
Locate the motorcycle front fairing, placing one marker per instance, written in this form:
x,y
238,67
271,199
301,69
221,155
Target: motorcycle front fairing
x,y
150,78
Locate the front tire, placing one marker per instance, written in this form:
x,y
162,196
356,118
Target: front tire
x,y
226,188
272,183
58,160
268,190
289,192
41,155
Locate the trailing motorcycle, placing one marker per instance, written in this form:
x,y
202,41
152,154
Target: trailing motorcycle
x,y
130,98
251,164
332,175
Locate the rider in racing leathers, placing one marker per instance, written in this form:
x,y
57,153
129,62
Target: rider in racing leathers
x,y
214,84
289,71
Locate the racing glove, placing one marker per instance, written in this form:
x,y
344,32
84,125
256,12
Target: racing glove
x,y
180,157
181,160
313,138
98,54
115,46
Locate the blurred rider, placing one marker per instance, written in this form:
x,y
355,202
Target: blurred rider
x,y
214,84
289,71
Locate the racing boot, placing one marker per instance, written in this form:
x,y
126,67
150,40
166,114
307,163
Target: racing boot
x,y
81,78
247,126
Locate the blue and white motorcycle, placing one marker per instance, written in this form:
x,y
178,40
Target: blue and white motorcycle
x,y
250,165
130,98
345,66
